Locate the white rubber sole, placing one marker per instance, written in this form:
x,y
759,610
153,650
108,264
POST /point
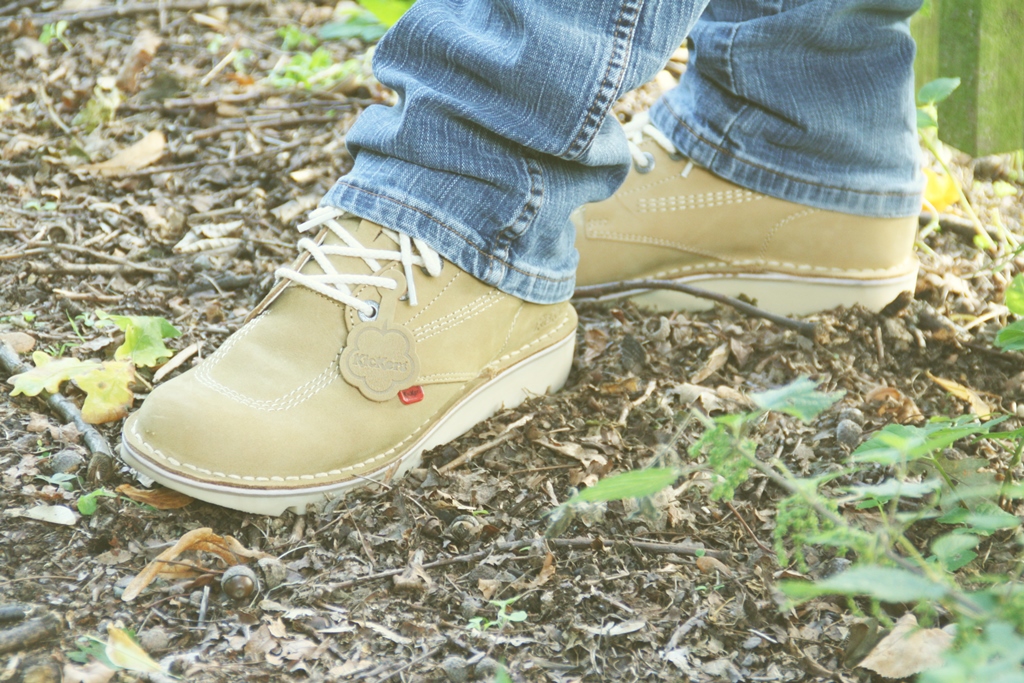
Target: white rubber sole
x,y
545,371
777,293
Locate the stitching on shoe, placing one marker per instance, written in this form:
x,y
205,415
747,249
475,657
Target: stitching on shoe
x,y
511,329
775,228
473,308
425,307
704,200
759,263
446,377
321,475
286,402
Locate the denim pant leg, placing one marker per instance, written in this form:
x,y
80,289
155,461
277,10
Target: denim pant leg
x,y
806,100
501,128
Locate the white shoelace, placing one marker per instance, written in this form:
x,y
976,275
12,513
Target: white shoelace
x,y
337,285
637,129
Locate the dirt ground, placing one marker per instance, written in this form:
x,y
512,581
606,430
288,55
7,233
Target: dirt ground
x,y
386,583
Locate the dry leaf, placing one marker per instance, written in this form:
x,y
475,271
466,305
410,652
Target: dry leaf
x,y
908,650
546,572
595,341
94,672
228,549
161,498
18,341
143,49
978,405
708,564
575,451
893,403
620,387
143,153
715,362
124,652
488,587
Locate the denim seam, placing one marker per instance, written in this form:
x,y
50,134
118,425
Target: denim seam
x,y
455,232
508,235
718,148
623,34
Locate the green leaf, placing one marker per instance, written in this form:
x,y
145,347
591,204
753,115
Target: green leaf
x,y
48,374
936,91
986,518
893,488
387,11
887,584
354,24
634,484
800,398
897,443
1011,337
143,338
926,120
955,550
87,504
1014,297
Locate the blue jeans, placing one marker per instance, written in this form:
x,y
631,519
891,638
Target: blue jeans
x,y
502,127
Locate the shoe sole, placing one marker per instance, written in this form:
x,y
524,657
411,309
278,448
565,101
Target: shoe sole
x,y
545,371
776,293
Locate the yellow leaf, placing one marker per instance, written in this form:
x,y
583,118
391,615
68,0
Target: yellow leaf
x,y
978,405
107,393
125,653
48,374
941,190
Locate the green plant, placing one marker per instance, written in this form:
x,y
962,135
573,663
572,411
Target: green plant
x,y
353,22
313,70
293,37
88,503
1011,337
933,515
52,32
387,11
503,618
928,99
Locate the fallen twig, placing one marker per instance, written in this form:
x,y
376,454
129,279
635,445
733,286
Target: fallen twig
x,y
126,10
507,434
29,633
808,329
101,464
209,162
15,612
575,543
954,224
279,122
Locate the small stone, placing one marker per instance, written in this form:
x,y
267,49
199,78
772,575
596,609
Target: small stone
x,y
67,460
848,433
456,669
487,668
853,414
155,640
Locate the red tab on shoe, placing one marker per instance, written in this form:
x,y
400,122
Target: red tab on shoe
x,y
411,395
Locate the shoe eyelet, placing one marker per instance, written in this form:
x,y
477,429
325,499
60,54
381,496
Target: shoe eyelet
x,y
648,167
677,156
373,316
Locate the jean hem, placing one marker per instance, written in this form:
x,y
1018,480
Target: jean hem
x,y
767,178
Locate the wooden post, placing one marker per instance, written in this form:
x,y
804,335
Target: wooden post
x,y
981,42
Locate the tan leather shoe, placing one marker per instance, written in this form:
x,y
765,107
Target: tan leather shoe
x,y
672,220
366,354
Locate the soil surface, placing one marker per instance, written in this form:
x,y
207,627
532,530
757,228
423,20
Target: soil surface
x,y
400,582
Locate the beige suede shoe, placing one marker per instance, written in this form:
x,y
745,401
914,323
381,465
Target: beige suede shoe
x,y
366,354
672,220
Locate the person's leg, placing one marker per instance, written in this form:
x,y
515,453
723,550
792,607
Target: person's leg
x,y
799,117
501,129
373,349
